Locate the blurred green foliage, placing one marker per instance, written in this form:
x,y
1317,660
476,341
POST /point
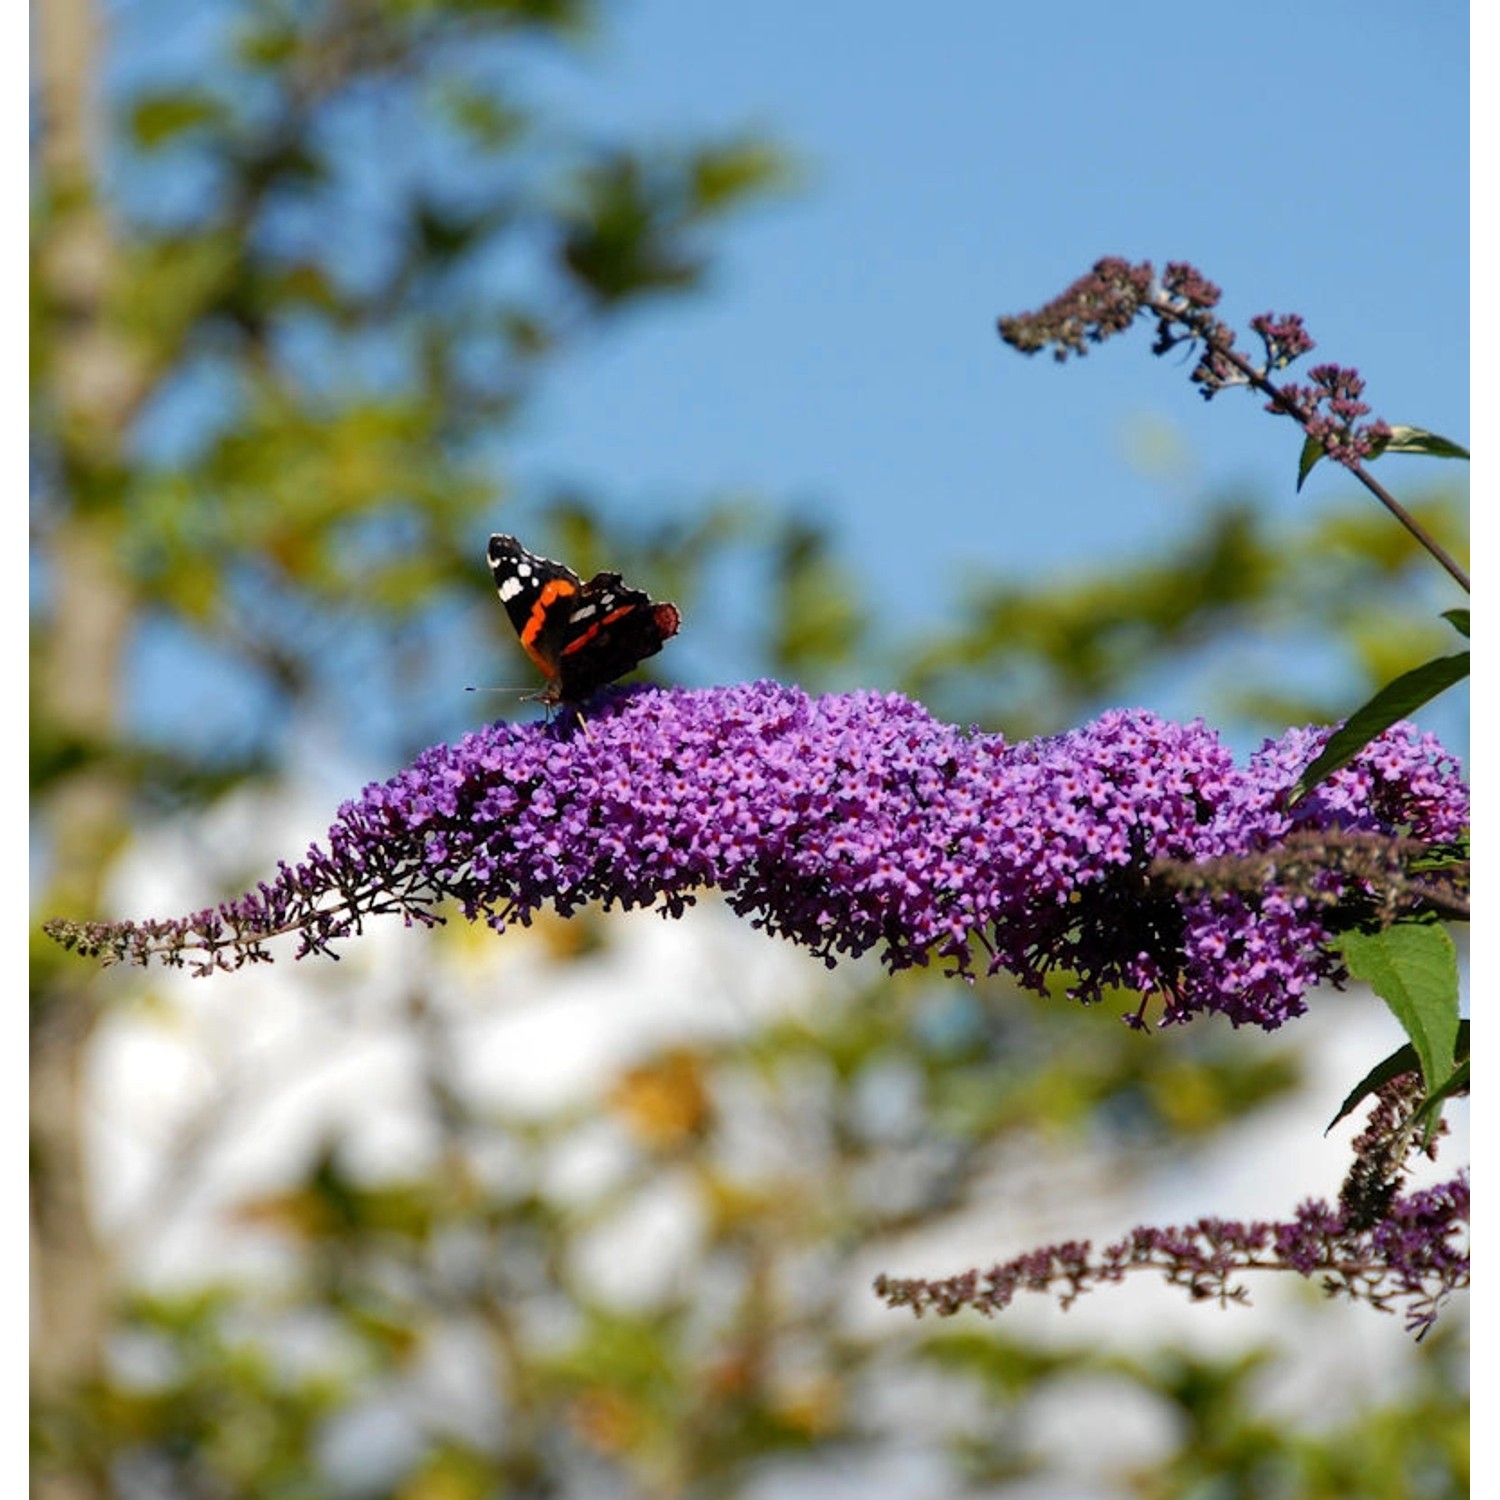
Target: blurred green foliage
x,y
1036,657
884,1112
269,414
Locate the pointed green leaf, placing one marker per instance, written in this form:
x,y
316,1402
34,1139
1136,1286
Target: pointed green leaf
x,y
1312,451
1431,1112
1413,967
1394,701
1418,440
1459,620
157,119
1404,1060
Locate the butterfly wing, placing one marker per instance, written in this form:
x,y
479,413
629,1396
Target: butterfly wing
x,y
613,629
537,593
580,635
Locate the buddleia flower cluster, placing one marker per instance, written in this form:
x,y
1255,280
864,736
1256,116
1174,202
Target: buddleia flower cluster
x,y
853,823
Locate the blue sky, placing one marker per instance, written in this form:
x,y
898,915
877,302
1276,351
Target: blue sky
x,y
973,162
843,359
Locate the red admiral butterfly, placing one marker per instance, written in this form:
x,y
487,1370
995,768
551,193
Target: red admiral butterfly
x,y
581,635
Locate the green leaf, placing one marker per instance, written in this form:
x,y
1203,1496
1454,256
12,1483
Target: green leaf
x,y
491,122
1394,701
270,45
723,175
1459,620
1312,451
1431,1111
1404,1060
1418,440
1413,967
157,119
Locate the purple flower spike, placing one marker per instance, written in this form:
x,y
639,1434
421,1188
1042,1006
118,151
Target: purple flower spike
x,y
856,822
1415,1259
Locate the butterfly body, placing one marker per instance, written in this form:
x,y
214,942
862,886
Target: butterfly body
x,y
580,635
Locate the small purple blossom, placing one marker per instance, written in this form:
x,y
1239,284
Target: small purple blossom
x,y
856,822
1189,286
1285,338
1329,411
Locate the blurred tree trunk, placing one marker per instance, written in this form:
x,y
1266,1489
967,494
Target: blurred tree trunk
x,y
88,391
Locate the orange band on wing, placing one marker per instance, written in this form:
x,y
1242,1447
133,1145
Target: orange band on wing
x,y
596,627
558,588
